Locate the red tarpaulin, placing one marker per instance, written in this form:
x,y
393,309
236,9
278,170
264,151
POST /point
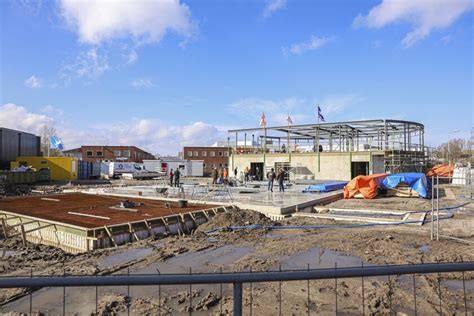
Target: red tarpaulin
x,y
365,185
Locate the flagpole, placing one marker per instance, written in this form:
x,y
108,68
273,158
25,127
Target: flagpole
x,y
317,143
288,143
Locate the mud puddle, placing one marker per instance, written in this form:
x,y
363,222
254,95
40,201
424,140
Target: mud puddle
x,y
124,257
5,253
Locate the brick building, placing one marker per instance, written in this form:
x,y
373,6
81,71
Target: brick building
x,y
110,153
212,157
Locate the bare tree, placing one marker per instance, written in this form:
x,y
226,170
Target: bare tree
x,y
454,150
46,134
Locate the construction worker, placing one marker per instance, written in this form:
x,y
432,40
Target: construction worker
x,y
281,180
177,174
171,177
214,176
271,177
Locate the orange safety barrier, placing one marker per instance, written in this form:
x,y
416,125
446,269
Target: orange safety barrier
x,y
367,186
441,170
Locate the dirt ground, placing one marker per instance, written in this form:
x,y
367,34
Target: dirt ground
x,y
261,250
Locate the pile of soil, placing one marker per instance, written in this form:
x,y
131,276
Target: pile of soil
x,y
236,217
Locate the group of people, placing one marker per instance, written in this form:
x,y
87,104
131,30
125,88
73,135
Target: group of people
x,y
221,175
174,177
250,176
279,177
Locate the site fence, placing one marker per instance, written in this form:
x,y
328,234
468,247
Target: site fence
x,y
238,279
464,192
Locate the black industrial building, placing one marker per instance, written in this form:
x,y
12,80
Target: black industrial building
x,y
16,143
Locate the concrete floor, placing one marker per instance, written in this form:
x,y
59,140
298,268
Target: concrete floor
x,y
254,196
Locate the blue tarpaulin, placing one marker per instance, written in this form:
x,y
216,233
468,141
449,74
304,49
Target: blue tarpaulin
x,y
416,181
325,187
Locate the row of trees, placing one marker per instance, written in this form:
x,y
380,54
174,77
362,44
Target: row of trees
x,y
455,150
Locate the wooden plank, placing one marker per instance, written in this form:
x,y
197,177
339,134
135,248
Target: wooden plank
x,y
51,200
23,235
38,228
132,231
5,230
25,223
110,235
148,227
89,215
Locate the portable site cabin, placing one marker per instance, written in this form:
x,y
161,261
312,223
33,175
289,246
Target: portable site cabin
x,y
61,168
188,168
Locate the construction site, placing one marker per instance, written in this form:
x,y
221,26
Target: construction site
x,y
389,213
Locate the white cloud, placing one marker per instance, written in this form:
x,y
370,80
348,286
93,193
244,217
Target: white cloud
x,y
333,104
142,83
313,43
91,63
52,110
17,117
150,134
34,82
273,6
146,21
424,16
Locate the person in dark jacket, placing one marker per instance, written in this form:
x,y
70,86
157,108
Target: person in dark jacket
x,y
281,180
177,174
214,176
171,177
271,178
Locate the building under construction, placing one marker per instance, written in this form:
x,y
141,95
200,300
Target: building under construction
x,y
331,151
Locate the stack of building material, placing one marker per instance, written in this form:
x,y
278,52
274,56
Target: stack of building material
x,y
325,187
406,185
364,186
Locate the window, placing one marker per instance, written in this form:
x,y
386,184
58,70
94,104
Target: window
x,y
196,154
204,165
190,153
220,154
89,153
204,153
99,153
220,165
117,153
126,153
213,153
226,154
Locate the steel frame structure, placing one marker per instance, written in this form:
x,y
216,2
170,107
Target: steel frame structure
x,y
379,134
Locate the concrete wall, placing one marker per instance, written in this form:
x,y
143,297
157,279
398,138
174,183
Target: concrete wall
x,y
332,165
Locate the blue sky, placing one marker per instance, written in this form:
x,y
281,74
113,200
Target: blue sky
x,y
163,74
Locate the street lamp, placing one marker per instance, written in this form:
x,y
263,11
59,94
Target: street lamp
x,y
449,147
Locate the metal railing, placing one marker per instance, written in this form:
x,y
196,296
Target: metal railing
x,y
237,279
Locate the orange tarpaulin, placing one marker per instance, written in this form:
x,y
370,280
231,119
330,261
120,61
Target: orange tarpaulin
x,y
441,170
365,185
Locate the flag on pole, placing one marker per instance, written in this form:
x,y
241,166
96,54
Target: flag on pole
x,y
56,143
263,120
320,115
289,120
